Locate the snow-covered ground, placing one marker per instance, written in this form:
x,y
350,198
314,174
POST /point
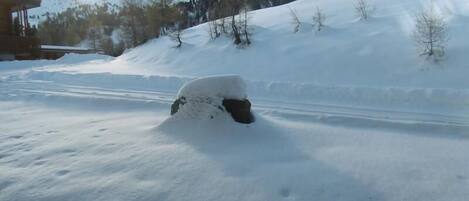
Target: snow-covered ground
x,y
351,113
96,152
104,137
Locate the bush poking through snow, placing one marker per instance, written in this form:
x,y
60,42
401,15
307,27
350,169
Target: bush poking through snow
x,y
244,21
211,97
319,19
364,9
430,34
240,28
295,21
213,29
231,18
176,36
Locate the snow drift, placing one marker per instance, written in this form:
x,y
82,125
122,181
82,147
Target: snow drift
x,y
211,97
413,99
216,87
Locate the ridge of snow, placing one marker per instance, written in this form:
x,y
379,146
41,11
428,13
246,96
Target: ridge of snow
x,y
221,86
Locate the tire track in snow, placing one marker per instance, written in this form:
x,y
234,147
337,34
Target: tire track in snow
x,y
121,99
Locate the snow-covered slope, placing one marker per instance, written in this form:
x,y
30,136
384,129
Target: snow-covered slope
x,y
378,52
56,6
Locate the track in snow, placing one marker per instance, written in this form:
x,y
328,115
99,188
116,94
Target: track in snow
x,y
122,99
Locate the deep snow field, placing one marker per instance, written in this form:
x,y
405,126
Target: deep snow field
x,y
95,153
348,114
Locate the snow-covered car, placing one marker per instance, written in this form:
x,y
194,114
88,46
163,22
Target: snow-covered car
x,y
208,97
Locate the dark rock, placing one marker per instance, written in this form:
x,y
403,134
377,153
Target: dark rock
x,y
240,110
177,103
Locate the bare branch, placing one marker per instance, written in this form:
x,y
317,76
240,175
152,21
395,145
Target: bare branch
x,y
319,19
430,34
364,9
295,21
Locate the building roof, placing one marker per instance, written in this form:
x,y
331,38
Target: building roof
x,y
20,3
56,47
65,49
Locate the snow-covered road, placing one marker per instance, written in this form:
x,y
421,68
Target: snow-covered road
x,y
107,98
102,137
64,152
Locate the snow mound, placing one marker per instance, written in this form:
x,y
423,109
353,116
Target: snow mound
x,y
65,62
214,97
225,86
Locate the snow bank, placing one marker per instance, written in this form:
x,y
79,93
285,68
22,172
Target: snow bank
x,y
65,61
439,100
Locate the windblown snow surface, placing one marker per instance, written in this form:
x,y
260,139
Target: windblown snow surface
x,y
351,113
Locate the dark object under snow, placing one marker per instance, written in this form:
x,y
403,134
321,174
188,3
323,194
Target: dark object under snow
x,y
240,110
176,104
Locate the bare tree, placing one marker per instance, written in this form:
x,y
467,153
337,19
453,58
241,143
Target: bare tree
x,y
176,35
95,32
364,9
213,15
244,22
230,18
319,19
133,22
295,21
222,25
235,31
213,29
95,35
430,34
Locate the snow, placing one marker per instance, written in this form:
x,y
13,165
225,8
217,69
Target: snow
x,y
379,52
54,47
66,60
202,98
55,6
77,153
351,113
221,86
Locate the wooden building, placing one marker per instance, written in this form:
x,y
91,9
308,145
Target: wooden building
x,y
15,39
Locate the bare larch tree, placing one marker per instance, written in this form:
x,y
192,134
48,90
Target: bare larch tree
x,y
244,21
319,19
295,21
176,35
430,34
364,9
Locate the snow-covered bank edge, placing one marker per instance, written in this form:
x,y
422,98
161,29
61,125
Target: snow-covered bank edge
x,y
429,100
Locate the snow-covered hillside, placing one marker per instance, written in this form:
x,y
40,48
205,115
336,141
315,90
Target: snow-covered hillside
x,y
351,113
55,6
372,64
378,52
